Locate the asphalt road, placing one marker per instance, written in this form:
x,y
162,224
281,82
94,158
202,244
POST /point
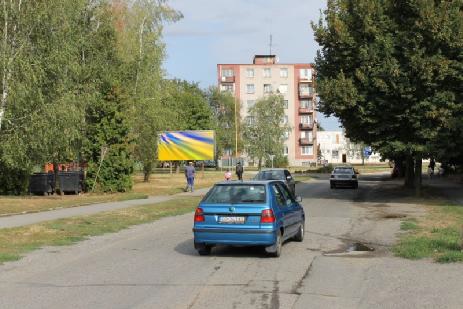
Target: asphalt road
x,y
155,265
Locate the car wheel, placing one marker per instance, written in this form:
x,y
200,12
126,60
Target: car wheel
x,y
300,233
356,186
275,250
332,186
205,250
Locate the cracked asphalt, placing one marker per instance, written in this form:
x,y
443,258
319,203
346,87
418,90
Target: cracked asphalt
x,y
155,266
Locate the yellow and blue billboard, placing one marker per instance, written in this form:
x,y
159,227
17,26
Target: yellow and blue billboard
x,y
186,145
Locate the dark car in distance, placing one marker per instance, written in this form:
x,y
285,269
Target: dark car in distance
x,y
278,174
344,176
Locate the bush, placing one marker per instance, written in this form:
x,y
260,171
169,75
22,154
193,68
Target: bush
x,y
13,181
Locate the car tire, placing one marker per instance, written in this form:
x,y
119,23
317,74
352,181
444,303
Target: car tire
x,y
205,250
332,186
300,233
356,186
275,250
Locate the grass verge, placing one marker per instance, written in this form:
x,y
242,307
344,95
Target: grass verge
x,y
439,236
15,242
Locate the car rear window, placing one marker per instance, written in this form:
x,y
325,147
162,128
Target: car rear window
x,y
236,194
343,171
270,175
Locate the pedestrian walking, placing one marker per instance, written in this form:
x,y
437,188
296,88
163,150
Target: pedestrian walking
x,y
239,171
190,176
430,171
432,165
228,175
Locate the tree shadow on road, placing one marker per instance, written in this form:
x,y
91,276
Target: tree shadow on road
x,y
382,189
187,248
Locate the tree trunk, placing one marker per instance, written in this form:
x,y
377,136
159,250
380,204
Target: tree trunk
x,y
409,172
147,169
418,174
260,164
56,171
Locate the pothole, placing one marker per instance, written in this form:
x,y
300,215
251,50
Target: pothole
x,y
354,249
394,216
359,247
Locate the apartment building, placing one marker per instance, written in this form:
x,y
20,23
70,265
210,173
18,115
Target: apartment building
x,y
295,82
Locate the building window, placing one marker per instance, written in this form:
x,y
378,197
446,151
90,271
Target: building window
x,y
305,89
307,150
286,135
250,104
306,104
250,88
226,87
267,88
251,120
284,120
227,73
307,135
283,88
335,154
305,74
267,72
285,150
306,119
249,72
285,104
284,72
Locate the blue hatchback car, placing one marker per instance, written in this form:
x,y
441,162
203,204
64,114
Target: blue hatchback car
x,y
249,213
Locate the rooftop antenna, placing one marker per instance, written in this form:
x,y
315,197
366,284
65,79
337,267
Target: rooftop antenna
x,y
270,44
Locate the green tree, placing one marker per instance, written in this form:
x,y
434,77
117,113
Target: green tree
x,y
223,106
263,131
139,28
108,142
389,71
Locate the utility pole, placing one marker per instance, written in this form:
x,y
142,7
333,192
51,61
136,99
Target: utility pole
x,y
270,45
236,129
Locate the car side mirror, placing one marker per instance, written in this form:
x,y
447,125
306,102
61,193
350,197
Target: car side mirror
x,y
298,199
289,177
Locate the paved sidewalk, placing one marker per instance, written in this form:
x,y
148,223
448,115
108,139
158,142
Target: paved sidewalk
x,y
32,218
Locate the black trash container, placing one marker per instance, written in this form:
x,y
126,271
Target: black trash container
x,y
70,182
42,183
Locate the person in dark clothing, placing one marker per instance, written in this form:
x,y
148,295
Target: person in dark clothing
x,y
190,176
239,171
432,165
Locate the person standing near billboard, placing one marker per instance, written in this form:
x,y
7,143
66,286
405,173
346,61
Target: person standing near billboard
x,y
239,171
190,176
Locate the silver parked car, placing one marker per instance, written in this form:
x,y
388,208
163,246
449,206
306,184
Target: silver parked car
x,y
344,176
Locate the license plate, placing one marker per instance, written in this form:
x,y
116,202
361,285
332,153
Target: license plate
x,y
232,220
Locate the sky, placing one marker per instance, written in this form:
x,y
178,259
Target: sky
x,y
233,31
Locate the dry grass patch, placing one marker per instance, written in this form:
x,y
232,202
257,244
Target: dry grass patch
x,y
15,242
166,184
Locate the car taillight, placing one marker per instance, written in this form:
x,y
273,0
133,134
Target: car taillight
x,y
199,215
267,216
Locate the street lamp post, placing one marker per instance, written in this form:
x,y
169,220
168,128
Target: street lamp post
x,y
271,158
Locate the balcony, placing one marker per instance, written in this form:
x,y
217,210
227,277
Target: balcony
x,y
227,79
306,94
305,141
306,126
305,110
